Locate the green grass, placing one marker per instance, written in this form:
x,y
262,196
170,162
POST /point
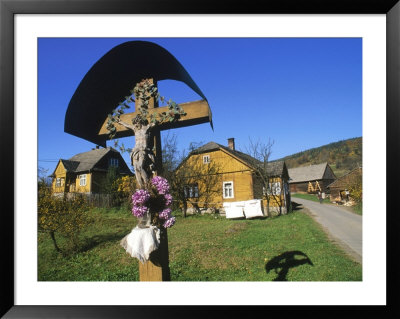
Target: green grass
x,y
206,248
312,197
358,208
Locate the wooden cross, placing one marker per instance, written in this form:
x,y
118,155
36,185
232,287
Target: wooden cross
x,y
197,112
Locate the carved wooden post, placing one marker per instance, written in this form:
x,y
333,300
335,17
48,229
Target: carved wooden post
x,y
157,268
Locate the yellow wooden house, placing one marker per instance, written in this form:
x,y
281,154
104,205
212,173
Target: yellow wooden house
x,y
237,178
86,172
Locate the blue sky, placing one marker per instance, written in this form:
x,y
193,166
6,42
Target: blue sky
x,y
299,92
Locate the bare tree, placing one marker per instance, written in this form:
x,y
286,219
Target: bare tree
x,y
170,155
260,153
208,180
197,184
191,181
42,177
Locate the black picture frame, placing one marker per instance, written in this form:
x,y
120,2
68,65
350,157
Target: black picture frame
x,y
8,10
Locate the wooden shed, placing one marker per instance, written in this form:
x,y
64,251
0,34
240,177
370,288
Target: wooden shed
x,y
340,189
311,179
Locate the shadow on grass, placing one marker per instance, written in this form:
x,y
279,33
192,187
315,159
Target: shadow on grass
x,y
283,262
90,243
296,206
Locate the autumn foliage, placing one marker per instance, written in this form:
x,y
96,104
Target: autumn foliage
x,y
62,216
126,185
355,189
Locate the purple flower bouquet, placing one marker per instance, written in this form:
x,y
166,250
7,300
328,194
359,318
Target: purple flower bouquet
x,y
151,206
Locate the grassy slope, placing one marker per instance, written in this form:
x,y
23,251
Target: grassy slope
x,y
206,248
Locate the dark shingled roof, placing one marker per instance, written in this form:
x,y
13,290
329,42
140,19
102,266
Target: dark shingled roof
x,y
307,173
86,161
274,168
346,179
70,166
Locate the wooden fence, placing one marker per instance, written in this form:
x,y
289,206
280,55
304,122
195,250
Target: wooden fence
x,y
96,200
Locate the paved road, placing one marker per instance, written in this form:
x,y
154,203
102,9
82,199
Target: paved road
x,y
344,226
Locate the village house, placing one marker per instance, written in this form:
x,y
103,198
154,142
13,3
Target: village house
x,y
311,179
85,172
238,181
340,189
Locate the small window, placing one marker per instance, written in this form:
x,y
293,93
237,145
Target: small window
x,y
228,190
114,162
191,191
82,180
58,182
274,188
206,159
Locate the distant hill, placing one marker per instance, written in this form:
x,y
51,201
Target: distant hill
x,y
342,156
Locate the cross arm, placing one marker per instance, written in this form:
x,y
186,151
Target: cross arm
x,y
197,112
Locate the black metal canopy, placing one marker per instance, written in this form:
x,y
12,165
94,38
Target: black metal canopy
x,y
112,77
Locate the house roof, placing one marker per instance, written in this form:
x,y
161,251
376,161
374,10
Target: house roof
x,y
307,173
86,161
70,166
274,168
347,179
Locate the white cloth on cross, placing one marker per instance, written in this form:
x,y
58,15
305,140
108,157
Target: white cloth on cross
x,y
140,242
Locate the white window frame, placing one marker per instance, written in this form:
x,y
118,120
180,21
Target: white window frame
x,y
206,159
273,187
58,182
114,162
223,190
191,190
82,180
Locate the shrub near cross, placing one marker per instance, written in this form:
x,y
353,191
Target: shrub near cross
x,y
59,215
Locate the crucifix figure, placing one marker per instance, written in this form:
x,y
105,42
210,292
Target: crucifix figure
x,y
99,92
142,156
